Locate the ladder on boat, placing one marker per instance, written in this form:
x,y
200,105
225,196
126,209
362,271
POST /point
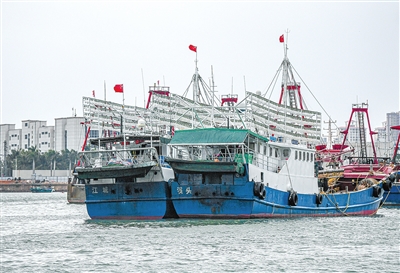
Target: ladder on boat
x,y
363,143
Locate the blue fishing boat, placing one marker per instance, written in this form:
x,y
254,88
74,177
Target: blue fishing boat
x,y
236,173
124,184
391,196
260,163
42,189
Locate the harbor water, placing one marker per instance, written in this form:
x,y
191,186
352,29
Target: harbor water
x,y
41,232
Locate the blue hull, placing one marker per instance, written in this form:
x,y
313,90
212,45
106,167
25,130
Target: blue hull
x,y
239,201
128,201
392,197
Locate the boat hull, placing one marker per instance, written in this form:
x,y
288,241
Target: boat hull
x,y
137,170
40,189
76,193
392,197
240,201
128,201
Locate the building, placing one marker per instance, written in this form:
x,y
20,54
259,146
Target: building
x,y
46,138
14,140
30,133
69,133
392,119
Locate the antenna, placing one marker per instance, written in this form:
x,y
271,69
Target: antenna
x,y
329,132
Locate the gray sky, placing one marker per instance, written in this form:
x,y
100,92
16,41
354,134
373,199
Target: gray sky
x,y
56,52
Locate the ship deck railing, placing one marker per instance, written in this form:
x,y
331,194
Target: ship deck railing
x,y
104,158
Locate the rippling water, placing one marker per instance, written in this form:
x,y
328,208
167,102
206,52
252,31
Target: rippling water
x,y
41,232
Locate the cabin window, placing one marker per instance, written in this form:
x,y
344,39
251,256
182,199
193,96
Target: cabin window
x,y
299,155
295,155
265,150
262,177
227,179
304,156
270,151
276,152
286,153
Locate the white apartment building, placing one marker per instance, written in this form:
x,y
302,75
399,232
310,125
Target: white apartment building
x,y
46,138
14,140
69,133
30,133
392,119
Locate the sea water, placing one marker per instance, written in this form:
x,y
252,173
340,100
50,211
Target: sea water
x,y
41,232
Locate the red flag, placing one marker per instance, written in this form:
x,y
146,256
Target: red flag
x,y
93,93
119,88
193,48
281,39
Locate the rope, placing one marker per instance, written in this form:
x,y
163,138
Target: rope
x,y
336,205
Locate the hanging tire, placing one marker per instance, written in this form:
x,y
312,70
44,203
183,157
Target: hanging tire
x,y
259,190
387,185
263,193
377,191
293,198
256,189
319,198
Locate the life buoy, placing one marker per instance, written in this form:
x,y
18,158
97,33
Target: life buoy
x,y
293,198
319,198
377,191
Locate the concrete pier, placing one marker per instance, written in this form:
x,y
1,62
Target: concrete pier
x,y
13,186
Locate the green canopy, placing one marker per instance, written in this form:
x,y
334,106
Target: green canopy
x,y
214,136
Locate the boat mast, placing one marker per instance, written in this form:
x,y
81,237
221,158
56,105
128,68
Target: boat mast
x,y
196,91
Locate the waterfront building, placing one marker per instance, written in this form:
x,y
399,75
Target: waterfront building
x,y
46,138
30,133
4,140
69,133
392,119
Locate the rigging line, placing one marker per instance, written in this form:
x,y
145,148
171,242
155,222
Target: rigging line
x,y
274,78
290,180
330,118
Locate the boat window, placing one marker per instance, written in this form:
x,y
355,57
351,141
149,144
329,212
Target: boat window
x,y
195,179
262,177
265,150
270,151
286,153
276,152
299,155
304,156
227,179
212,178
308,156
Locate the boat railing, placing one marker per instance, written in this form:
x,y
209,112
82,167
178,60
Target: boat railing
x,y
120,157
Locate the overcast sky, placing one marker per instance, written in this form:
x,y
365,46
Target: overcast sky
x,y
55,52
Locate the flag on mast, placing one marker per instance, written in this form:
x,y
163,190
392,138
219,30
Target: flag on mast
x,y
281,38
119,88
193,48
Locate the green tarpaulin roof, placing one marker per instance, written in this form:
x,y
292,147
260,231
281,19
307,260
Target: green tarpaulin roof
x,y
212,136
